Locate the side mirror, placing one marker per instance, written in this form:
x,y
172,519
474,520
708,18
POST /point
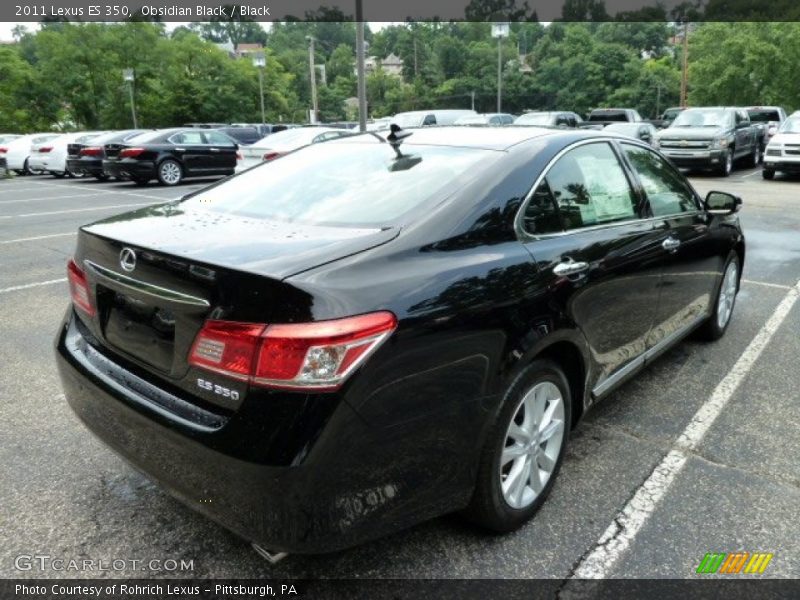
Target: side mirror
x,y
645,136
722,203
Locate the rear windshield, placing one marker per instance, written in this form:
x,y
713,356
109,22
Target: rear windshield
x,y
341,183
152,136
609,115
764,115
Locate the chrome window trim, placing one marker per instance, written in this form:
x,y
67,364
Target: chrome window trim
x,y
524,236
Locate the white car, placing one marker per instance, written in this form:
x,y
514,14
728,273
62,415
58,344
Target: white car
x,y
51,155
283,142
429,118
783,150
18,151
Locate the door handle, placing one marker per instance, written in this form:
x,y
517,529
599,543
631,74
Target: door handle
x,y
180,149
570,267
215,149
670,244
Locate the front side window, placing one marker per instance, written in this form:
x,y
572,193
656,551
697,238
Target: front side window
x,y
665,188
588,187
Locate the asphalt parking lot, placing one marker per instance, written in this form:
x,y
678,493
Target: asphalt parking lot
x,y
737,488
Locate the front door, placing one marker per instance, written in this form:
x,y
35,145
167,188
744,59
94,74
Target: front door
x,y
688,252
599,256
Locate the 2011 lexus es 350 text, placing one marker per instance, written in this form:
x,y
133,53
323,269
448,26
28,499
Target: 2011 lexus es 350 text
x,y
371,332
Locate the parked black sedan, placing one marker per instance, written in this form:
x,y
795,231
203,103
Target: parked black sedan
x,y
87,159
170,155
362,334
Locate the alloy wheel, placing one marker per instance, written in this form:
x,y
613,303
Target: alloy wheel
x,y
170,172
727,295
533,443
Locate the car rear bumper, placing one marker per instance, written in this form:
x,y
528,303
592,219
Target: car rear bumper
x,y
89,166
695,158
348,483
38,163
129,169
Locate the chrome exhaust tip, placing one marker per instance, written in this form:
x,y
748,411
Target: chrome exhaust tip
x,y
272,557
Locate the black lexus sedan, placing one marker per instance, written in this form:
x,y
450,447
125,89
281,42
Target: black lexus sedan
x,y
374,331
171,155
87,159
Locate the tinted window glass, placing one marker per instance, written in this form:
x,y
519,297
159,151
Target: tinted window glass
x,y
666,190
218,139
590,187
541,214
188,137
344,183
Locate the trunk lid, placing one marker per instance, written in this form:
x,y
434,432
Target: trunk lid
x,y
191,266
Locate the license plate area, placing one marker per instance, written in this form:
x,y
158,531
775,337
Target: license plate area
x,y
139,328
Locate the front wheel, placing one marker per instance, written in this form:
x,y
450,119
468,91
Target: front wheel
x,y
716,325
727,165
524,449
170,172
768,174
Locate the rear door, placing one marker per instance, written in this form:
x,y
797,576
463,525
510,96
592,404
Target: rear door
x,y
690,261
191,149
222,152
585,229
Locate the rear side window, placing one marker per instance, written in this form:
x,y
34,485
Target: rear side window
x,y
343,183
588,187
665,188
187,137
218,139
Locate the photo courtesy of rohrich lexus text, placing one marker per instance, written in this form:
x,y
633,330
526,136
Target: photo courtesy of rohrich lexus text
x,y
463,300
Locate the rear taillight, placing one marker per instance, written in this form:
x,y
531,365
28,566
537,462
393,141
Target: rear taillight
x,y
239,156
271,155
130,152
91,151
3,149
317,356
79,288
45,148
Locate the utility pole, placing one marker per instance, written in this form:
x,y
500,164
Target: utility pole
x,y
362,83
416,71
472,99
127,75
658,100
685,74
313,75
500,30
259,62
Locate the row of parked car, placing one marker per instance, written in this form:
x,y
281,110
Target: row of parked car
x,y
166,155
712,138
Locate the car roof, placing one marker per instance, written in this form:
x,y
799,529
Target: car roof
x,y
500,138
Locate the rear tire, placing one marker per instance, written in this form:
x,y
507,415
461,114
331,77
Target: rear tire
x,y
170,172
768,174
59,175
101,177
724,302
527,441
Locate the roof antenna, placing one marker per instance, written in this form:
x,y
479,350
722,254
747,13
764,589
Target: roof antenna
x,y
397,137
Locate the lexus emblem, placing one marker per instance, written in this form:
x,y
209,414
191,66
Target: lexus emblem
x,y
127,259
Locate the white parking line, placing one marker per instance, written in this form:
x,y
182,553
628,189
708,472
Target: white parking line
x,y
31,285
106,190
603,556
38,237
37,199
758,172
74,210
780,286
